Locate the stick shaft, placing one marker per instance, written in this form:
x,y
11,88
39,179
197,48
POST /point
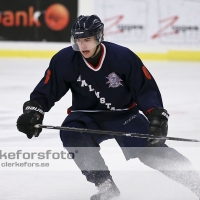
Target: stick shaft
x,y
139,135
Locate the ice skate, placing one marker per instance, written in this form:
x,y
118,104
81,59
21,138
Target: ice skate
x,y
107,190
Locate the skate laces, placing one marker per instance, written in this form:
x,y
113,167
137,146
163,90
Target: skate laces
x,y
105,186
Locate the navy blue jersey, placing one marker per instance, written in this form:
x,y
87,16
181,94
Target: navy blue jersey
x,y
119,82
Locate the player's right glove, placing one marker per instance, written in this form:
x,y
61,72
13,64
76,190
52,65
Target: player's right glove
x,y
32,114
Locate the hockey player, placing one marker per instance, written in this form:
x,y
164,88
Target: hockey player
x,y
109,85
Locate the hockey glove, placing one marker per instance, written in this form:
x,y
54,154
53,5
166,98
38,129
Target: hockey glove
x,y
158,119
32,114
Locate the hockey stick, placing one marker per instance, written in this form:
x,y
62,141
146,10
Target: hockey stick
x,y
139,135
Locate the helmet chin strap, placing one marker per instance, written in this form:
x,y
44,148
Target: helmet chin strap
x,y
95,51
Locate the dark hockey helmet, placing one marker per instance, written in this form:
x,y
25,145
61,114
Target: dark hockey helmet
x,y
87,26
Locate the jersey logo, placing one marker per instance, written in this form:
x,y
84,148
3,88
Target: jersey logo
x,y
113,80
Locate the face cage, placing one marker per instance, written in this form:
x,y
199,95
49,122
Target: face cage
x,y
98,38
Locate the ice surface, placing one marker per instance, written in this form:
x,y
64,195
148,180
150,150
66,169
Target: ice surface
x,y
179,84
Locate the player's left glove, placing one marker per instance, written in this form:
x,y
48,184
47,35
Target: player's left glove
x,y
158,119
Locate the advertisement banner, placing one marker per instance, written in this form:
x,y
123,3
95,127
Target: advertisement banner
x,y
179,22
124,21
37,20
152,22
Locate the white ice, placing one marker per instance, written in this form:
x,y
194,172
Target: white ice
x,y
179,83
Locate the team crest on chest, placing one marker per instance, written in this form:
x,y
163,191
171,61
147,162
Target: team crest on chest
x,y
113,80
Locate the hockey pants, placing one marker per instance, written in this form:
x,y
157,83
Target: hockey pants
x,y
159,157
